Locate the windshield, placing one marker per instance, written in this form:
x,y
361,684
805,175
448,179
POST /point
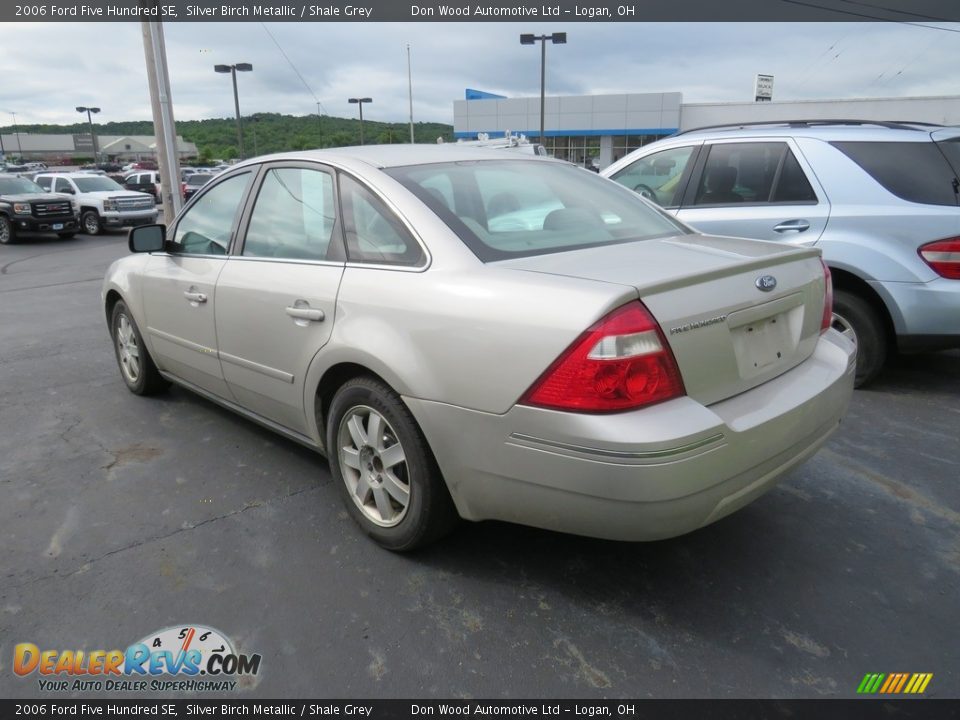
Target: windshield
x,y
504,209
18,186
96,183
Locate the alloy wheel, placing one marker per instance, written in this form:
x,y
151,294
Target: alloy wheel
x,y
843,326
128,350
374,466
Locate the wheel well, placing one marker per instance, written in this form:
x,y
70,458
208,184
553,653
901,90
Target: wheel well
x,y
113,297
332,380
84,208
845,280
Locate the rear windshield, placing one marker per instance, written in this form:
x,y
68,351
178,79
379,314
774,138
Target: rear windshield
x,y
913,171
951,150
199,179
505,209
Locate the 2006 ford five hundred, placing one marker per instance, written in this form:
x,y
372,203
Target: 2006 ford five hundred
x,y
478,334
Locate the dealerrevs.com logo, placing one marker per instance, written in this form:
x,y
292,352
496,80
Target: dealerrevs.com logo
x,y
187,658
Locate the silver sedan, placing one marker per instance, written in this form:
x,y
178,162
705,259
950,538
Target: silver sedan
x,y
467,333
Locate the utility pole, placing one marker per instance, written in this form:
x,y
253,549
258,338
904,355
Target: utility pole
x,y
319,127
410,86
161,101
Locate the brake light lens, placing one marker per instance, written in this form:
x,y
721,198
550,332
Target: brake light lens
x,y
827,320
621,363
943,256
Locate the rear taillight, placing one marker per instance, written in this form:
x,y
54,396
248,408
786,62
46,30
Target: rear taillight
x,y
623,362
943,256
827,319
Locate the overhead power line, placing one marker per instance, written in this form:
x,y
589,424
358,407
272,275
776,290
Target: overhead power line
x,y
872,17
294,68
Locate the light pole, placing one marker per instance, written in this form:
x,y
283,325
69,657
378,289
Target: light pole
x,y
530,39
360,102
319,127
17,131
93,136
233,70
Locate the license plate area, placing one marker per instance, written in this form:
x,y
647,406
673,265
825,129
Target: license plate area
x,y
57,226
766,336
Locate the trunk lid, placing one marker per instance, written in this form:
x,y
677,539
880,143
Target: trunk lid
x,y
726,333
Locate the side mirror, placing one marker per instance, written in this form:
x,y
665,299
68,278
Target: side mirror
x,y
147,238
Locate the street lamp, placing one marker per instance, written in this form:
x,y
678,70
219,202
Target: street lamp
x,y
93,136
233,70
17,131
530,39
360,102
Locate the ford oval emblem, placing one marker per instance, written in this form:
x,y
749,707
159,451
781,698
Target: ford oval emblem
x,y
766,283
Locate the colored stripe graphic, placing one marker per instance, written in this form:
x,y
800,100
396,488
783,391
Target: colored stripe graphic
x,y
894,683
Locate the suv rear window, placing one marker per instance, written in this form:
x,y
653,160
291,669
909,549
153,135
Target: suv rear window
x,y
913,171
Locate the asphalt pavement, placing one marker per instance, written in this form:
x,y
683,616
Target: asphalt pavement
x,y
122,515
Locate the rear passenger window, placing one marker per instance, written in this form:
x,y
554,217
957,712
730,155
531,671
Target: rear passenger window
x,y
913,171
294,215
753,173
374,234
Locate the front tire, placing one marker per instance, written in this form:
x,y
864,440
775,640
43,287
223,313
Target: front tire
x,y
137,368
90,222
383,466
857,319
7,234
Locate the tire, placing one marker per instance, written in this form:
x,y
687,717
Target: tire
x,y
390,484
90,222
137,368
857,319
66,235
7,234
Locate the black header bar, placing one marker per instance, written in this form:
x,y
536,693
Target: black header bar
x,y
914,12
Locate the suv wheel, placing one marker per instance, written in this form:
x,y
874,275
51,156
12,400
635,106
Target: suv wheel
x,y
855,317
90,221
7,234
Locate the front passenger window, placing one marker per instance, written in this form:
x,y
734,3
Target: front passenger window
x,y
659,176
206,228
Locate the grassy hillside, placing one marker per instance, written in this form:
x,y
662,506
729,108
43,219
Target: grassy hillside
x,y
265,132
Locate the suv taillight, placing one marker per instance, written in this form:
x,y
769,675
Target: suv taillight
x,y
943,256
623,362
826,319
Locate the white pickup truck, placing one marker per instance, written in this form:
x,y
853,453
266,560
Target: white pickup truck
x,y
103,202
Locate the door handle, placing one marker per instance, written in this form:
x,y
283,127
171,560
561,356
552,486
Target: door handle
x,y
792,226
195,297
305,313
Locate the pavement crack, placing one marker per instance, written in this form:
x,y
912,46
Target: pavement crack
x,y
146,541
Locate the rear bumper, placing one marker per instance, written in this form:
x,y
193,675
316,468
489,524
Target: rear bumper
x,y
921,310
643,475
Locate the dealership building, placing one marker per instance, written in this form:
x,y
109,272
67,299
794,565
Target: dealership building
x,y
62,148
582,127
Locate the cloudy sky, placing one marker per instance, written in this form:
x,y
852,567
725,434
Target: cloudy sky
x,y
49,68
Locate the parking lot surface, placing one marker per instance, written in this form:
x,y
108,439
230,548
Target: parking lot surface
x,y
122,515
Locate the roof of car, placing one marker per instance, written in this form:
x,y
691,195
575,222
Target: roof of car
x,y
383,156
904,131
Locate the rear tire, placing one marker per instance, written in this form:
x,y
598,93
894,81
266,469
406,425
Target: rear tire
x,y
137,368
857,319
7,234
383,466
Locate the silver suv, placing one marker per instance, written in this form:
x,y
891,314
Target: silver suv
x,y
880,199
